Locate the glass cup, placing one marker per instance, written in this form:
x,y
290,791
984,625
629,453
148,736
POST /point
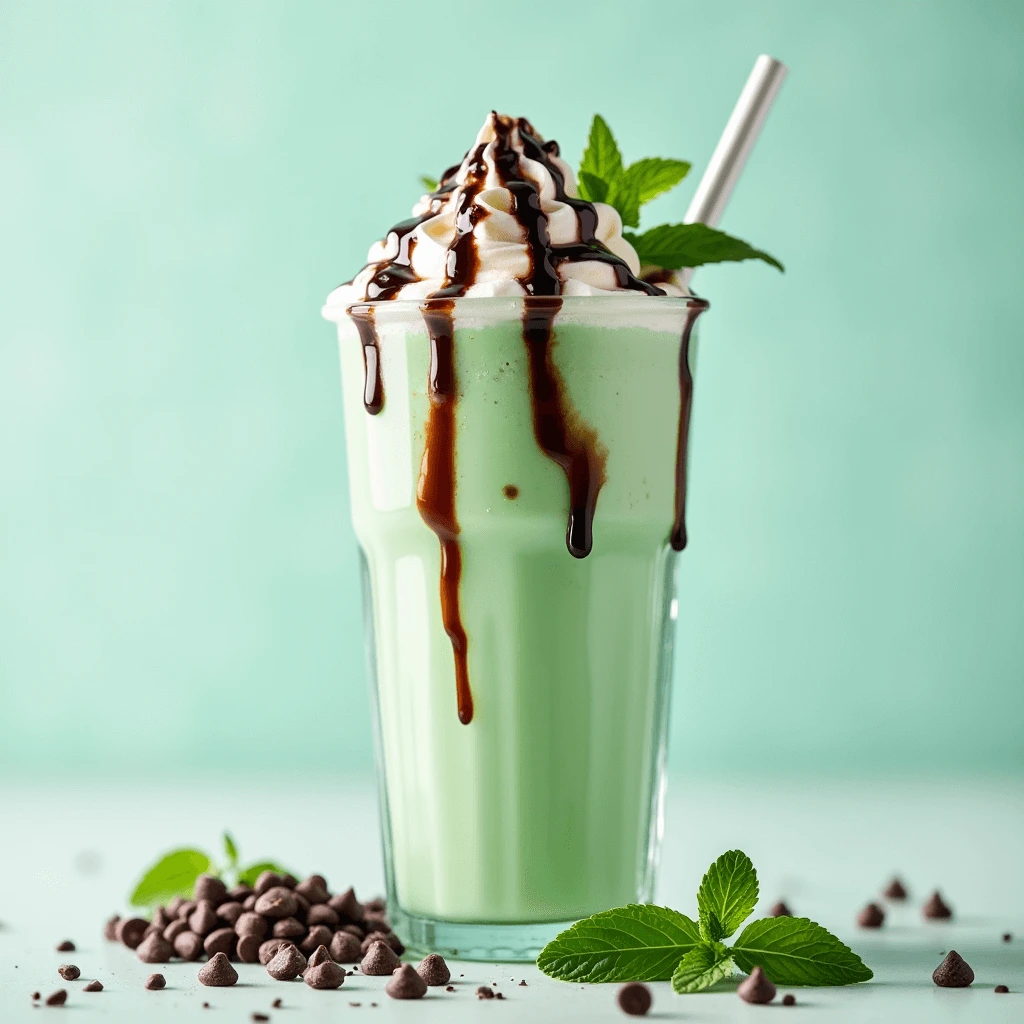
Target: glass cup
x,y
517,476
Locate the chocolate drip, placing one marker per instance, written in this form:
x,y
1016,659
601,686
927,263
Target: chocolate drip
x,y
678,536
435,491
561,433
373,382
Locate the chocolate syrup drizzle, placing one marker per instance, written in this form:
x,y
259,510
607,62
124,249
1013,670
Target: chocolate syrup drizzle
x,y
560,431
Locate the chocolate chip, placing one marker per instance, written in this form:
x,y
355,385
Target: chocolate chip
x,y
251,923
375,923
58,998
267,880
319,956
174,906
35,995
522,984
155,982
250,901
406,983
276,1004
314,889
780,910
93,986
185,909
270,949
789,999
208,887
288,880
498,995
634,999
203,919
895,890
288,963
485,992
324,975
433,970
248,949
1007,937
188,945
222,940
347,906
389,937
161,919
67,946
872,916
378,905
936,908
1001,989
240,892
319,935
320,913
345,948
354,929
69,972
379,960
174,929
301,906
256,1015
110,928
277,902
154,949
757,988
953,972
218,973
449,988
152,929
230,912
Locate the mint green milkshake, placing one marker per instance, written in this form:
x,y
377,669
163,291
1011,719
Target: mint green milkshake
x,y
516,402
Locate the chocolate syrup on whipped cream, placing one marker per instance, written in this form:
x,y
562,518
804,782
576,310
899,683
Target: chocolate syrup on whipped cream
x,y
561,433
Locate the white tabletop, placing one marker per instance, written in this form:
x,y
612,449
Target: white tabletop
x,y
69,853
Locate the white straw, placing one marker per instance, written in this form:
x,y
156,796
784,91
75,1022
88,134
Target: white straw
x,y
735,145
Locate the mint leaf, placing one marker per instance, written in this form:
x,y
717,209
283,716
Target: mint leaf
x,y
674,246
796,951
592,188
601,157
702,967
711,929
624,195
633,943
248,876
174,874
728,891
654,175
230,850
430,184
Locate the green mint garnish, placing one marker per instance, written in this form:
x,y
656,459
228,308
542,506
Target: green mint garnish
x,y
702,967
428,183
647,943
634,943
674,246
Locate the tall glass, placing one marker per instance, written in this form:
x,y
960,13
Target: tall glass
x,y
521,689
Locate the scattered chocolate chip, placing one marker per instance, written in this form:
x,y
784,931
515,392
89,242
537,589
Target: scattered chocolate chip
x,y
302,906
248,949
58,998
319,956
250,901
895,890
936,908
155,982
449,988
378,905
276,1004
267,880
872,916
485,992
277,902
347,906
256,1015
240,892
67,946
288,880
314,889
174,929
250,923
230,912
345,948
1001,989
185,909
93,986
324,975
389,937
218,972
223,940
756,988
210,888
379,960
634,999
320,913
270,949
174,906
375,923
953,972
110,928
154,949
433,970
69,972
789,999
498,995
35,995
160,919
288,963
780,910
188,945
1007,937
203,919
522,984
319,935
152,929
354,929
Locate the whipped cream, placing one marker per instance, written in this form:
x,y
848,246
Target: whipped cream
x,y
507,221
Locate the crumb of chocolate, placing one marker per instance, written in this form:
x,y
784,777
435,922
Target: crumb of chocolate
x,y
67,946
789,999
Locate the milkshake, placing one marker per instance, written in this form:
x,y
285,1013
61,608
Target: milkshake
x,y
517,400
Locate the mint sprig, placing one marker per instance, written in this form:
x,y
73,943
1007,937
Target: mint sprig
x,y
175,874
429,184
674,246
648,943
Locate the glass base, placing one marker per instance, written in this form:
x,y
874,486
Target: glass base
x,y
497,943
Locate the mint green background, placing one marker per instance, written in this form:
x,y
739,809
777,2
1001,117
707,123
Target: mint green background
x,y
182,183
